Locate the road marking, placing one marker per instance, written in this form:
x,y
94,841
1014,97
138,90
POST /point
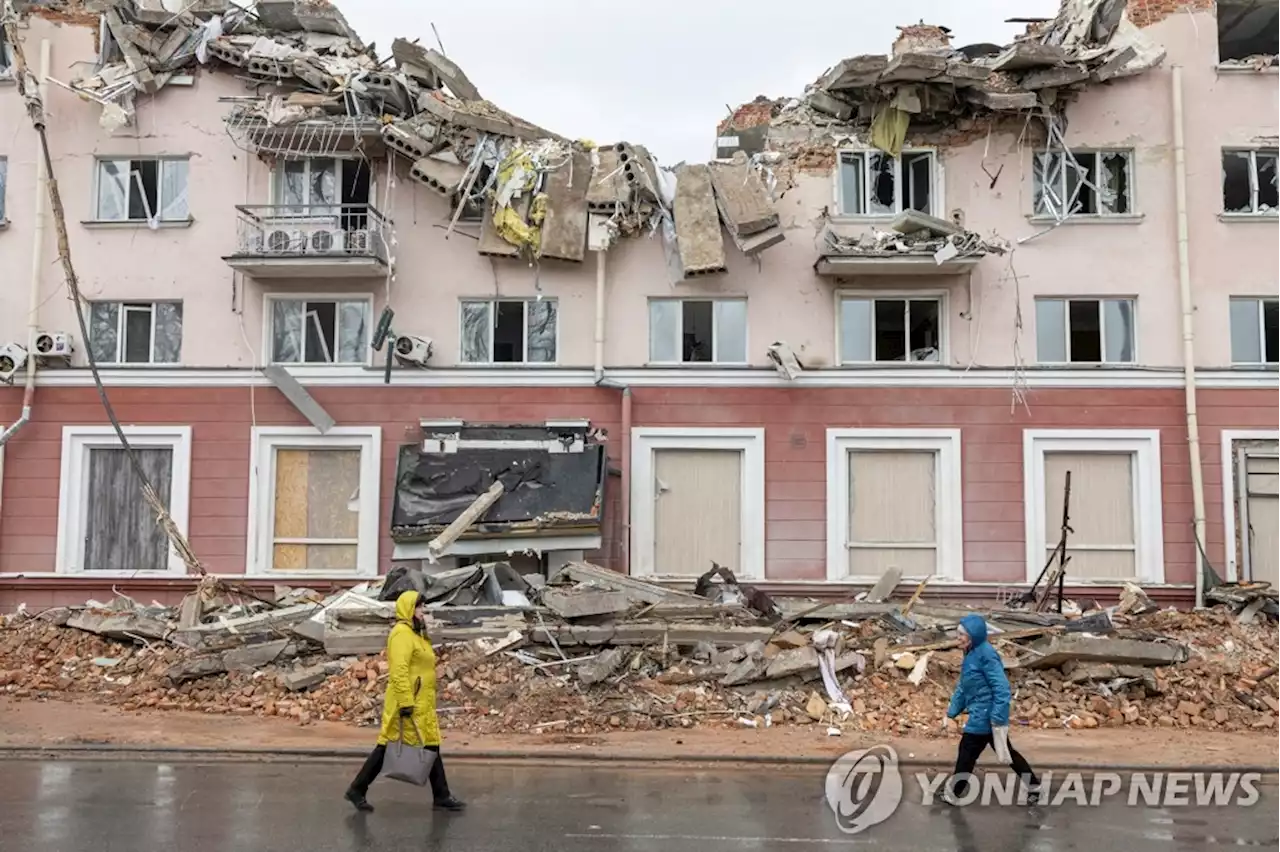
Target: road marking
x,y
719,839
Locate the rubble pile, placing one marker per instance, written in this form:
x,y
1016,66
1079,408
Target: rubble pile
x,y
593,651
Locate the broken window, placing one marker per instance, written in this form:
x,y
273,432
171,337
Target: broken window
x,y
1248,28
1255,331
872,183
316,512
873,329
698,331
1249,182
150,190
1084,331
509,331
312,331
135,332
6,56
1083,183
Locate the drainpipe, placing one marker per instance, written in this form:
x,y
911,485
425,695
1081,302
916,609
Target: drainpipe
x,y
624,464
599,359
1188,332
37,244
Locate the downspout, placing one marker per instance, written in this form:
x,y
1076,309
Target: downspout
x,y
599,340
626,481
1188,331
37,245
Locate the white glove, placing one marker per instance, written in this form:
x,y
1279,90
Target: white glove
x,y
1000,740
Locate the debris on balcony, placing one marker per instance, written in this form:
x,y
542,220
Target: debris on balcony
x,y
911,238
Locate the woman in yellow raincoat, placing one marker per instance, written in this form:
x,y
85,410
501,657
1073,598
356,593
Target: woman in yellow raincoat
x,y
410,704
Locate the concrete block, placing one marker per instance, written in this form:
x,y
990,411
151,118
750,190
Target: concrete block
x,y
1056,650
911,67
441,176
122,627
564,231
299,397
491,242
1029,54
855,73
792,662
698,237
581,603
1052,78
741,198
413,142
410,55
252,657
830,105
605,664
757,243
1011,101
491,124
608,189
301,679
962,74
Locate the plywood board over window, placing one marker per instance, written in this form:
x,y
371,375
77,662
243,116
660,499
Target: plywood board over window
x,y
894,501
1115,508
313,501
1251,504
697,497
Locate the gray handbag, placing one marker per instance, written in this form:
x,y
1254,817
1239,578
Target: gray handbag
x,y
408,763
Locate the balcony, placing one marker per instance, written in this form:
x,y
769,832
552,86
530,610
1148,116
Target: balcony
x,y
336,241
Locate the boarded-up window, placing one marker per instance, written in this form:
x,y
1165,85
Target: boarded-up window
x,y
316,510
893,512
697,510
121,533
1262,480
1103,541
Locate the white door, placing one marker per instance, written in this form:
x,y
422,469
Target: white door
x,y
1259,508
697,510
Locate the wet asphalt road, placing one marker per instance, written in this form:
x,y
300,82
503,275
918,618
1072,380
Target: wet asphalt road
x,y
107,806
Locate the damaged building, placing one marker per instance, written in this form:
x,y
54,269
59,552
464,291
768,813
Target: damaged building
x,y
923,319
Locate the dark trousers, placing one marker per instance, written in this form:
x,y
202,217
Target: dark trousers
x,y
373,765
971,746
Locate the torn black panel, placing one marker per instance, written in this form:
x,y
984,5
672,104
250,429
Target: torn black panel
x,y
1247,28
544,491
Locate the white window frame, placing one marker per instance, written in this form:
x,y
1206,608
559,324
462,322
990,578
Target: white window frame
x,y
1229,439
131,187
1131,170
493,302
264,441
121,325
948,503
935,183
645,441
268,316
6,57
4,184
1262,331
1102,329
944,332
1253,212
1148,515
715,331
73,494
277,174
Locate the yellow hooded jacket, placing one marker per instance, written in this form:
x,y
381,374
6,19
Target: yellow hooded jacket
x,y
411,681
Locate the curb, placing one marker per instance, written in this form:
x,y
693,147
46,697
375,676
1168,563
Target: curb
x,y
127,752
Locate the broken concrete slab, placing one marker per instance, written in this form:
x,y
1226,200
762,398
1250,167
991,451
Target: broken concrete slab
x,y
1002,101
883,589
564,230
963,74
1022,55
699,242
229,629
1053,78
911,67
608,189
1056,650
252,657
646,633
792,662
830,105
491,242
601,667
414,140
637,590
302,679
910,221
299,397
582,603
120,626
855,73
195,668
143,79
1090,672
439,175
492,120
407,53
742,199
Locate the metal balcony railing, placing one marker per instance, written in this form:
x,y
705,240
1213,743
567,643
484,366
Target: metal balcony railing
x,y
304,232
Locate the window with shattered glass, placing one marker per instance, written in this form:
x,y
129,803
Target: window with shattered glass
x,y
319,331
890,330
1255,331
304,185
1249,182
509,331
135,332
693,331
149,190
1085,331
1082,183
6,56
1248,29
873,183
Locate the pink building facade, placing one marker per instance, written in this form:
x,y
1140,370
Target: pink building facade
x,y
930,427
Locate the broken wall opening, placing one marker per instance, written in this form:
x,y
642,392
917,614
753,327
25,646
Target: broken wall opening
x,y
1248,29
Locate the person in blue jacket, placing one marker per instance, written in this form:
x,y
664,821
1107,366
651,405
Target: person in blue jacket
x,y
983,692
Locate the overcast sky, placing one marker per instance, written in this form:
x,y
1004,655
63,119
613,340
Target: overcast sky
x,y
660,73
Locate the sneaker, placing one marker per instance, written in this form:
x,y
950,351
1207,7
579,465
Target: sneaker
x,y
453,803
949,798
361,803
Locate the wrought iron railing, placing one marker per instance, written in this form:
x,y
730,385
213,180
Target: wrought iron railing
x,y
311,231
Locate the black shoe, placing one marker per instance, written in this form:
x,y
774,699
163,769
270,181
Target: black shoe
x,y
361,803
453,803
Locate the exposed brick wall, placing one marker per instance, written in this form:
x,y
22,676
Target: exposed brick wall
x,y
1144,13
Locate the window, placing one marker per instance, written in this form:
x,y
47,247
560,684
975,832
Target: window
x,y
6,56
135,332
104,523
697,331
893,501
890,329
4,179
509,331
1098,183
872,183
313,501
319,331
151,190
1084,331
1248,29
1115,505
1249,185
304,185
1255,329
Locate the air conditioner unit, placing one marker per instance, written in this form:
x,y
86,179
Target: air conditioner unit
x,y
326,241
279,242
358,241
53,344
413,350
12,357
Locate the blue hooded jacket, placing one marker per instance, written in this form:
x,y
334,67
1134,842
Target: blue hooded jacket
x,y
983,691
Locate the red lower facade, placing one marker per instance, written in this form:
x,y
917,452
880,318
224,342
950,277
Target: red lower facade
x,y
796,498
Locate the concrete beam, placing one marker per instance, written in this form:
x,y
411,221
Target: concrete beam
x,y
483,123
1053,652
406,53
608,189
299,397
699,241
830,105
441,176
1011,101
1052,78
741,197
855,73
1029,54
578,603
963,74
564,231
912,67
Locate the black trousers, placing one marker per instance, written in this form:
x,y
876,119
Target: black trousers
x,y
971,746
373,765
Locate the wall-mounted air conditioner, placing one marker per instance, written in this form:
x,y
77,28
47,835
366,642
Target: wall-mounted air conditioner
x,y
12,357
53,344
413,350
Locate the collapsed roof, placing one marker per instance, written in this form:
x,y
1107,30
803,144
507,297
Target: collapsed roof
x,y
317,89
